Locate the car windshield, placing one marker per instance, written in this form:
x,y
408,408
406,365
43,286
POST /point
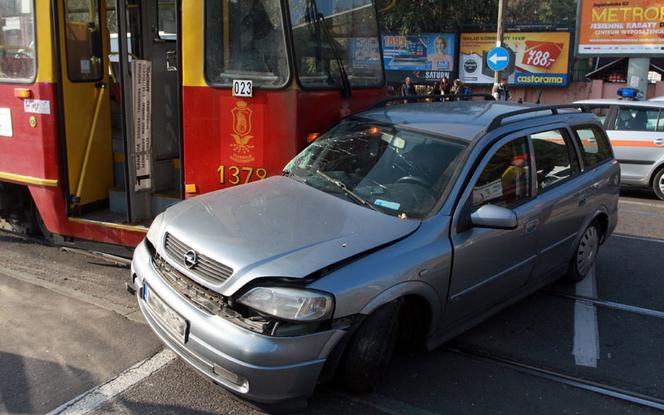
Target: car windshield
x,y
398,172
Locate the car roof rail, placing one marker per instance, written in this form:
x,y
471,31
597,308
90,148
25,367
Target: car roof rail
x,y
447,97
499,120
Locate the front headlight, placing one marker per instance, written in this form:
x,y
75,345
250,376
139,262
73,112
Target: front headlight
x,y
155,229
289,303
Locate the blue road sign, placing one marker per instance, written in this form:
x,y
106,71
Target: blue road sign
x,y
497,59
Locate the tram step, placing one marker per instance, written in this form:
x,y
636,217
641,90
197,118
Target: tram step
x,y
159,201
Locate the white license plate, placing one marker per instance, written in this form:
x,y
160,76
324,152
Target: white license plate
x,y
243,88
171,321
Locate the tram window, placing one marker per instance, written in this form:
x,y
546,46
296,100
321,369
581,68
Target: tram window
x,y
84,40
343,31
245,40
17,41
166,10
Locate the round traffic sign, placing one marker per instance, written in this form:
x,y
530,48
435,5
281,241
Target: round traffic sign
x,y
497,59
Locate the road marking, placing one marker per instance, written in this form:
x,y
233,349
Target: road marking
x,y
586,338
95,397
385,404
638,238
632,202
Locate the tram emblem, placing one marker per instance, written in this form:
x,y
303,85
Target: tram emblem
x,y
242,148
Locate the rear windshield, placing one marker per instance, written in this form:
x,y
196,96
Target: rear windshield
x,y
17,41
245,40
398,172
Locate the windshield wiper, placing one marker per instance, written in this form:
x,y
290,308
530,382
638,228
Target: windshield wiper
x,y
346,190
319,19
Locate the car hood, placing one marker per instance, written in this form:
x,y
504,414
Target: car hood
x,y
278,227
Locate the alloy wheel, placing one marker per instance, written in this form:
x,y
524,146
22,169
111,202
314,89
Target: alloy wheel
x,y
587,251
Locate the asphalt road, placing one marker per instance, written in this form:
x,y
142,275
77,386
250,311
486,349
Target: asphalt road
x,y
68,326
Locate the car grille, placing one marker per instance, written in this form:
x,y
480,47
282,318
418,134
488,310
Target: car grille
x,y
210,270
204,298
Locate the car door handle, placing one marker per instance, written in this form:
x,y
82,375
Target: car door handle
x,y
659,142
531,226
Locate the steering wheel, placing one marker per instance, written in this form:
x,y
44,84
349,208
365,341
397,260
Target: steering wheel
x,y
418,181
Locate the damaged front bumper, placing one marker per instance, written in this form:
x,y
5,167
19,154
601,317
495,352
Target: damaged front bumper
x,y
257,367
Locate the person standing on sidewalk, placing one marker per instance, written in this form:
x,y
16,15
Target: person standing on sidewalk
x,y
500,91
408,89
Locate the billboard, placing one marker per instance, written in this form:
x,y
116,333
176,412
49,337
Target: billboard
x,y
628,27
427,52
536,58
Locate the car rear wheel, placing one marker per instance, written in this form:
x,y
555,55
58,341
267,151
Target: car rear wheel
x,y
370,349
658,184
585,255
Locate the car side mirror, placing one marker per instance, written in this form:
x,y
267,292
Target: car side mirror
x,y
492,216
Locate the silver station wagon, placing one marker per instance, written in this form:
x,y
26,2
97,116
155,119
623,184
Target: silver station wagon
x,y
406,223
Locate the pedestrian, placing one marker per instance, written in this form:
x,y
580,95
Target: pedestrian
x,y
458,88
500,91
442,87
408,89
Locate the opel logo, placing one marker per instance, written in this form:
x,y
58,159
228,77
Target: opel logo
x,y
190,259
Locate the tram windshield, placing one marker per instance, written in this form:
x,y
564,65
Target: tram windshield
x,y
245,40
333,37
17,41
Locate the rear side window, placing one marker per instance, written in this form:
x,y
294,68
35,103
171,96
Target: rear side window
x,y
594,145
505,180
555,158
17,41
633,119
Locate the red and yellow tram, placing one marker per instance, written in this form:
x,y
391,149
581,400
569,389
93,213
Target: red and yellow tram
x,y
110,112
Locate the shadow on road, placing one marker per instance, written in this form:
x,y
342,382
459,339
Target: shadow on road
x,y
30,385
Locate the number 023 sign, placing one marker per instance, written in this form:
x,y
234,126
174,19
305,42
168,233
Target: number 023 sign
x,y
243,88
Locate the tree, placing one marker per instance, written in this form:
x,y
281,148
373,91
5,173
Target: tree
x,y
417,16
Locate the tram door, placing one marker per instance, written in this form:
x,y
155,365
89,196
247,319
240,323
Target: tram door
x,y
86,100
155,180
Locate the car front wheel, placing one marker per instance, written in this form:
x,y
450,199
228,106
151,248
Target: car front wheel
x,y
370,349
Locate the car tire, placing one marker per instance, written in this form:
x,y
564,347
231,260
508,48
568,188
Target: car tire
x,y
585,254
658,184
370,349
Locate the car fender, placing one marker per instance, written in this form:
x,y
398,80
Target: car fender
x,y
417,288
601,209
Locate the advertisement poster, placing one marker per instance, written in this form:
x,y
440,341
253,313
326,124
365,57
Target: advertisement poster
x,y
536,58
430,52
619,28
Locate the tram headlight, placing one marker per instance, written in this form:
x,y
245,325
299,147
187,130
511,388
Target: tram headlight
x,y
293,304
155,229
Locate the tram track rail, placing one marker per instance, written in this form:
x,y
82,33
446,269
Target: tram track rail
x,y
109,258
606,304
561,378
